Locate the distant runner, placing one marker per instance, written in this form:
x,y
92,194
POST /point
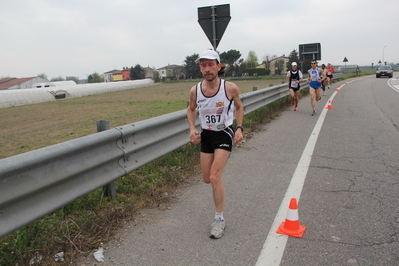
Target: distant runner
x,y
294,77
314,81
330,72
324,77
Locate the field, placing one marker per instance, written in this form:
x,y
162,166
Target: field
x,y
30,127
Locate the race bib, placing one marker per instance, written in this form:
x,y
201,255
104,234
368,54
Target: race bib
x,y
213,118
314,76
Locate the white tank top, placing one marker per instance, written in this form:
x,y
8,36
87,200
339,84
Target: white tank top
x,y
215,112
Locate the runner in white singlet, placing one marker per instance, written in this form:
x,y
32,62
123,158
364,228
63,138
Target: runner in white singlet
x,y
217,102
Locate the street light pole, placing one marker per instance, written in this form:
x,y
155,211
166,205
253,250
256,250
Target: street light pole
x,y
383,62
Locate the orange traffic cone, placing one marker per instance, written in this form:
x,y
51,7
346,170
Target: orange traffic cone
x,y
291,226
329,106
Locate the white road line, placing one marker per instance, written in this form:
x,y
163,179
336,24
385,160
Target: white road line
x,y
393,86
274,246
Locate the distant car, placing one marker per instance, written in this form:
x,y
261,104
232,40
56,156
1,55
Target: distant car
x,y
384,71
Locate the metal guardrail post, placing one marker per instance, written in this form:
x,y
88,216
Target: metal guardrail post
x,y
109,189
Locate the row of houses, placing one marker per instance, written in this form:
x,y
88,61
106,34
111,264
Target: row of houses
x,y
20,83
176,71
169,71
165,73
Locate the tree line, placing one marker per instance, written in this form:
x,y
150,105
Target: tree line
x,y
236,65
232,59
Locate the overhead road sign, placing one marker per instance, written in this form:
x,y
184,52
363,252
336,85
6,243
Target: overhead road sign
x,y
309,52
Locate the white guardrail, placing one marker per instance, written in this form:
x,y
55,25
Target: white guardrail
x,y
39,182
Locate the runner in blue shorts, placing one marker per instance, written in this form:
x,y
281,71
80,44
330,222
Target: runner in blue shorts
x,y
315,81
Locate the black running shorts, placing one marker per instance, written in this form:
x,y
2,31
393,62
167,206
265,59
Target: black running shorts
x,y
295,89
212,140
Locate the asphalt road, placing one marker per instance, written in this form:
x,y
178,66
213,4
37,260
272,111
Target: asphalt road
x,y
341,165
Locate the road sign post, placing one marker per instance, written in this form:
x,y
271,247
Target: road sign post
x,y
213,21
345,60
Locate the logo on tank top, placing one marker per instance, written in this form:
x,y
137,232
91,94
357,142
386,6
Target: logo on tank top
x,y
219,111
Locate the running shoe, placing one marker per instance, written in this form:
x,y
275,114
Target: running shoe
x,y
218,227
328,87
292,102
314,113
295,108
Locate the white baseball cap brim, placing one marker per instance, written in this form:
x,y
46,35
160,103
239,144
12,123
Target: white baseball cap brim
x,y
209,54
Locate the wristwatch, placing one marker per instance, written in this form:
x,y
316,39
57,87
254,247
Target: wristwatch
x,y
240,127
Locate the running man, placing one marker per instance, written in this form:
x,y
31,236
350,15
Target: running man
x,y
217,102
324,77
357,70
294,77
330,72
314,81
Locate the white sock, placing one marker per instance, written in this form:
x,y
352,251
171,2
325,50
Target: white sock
x,y
219,216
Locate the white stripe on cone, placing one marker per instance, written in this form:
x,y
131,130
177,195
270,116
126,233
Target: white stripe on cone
x,y
292,215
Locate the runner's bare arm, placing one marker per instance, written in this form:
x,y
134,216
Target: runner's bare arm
x,y
234,93
192,115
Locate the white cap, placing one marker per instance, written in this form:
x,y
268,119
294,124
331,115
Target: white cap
x,y
293,64
209,54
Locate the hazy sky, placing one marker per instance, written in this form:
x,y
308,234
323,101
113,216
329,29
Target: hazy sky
x,y
80,37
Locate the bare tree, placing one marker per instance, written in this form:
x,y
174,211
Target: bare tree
x,y
76,79
43,76
59,78
279,66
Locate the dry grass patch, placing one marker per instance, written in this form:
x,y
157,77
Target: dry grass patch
x,y
30,127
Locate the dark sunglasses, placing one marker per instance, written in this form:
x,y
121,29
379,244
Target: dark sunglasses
x,y
313,63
